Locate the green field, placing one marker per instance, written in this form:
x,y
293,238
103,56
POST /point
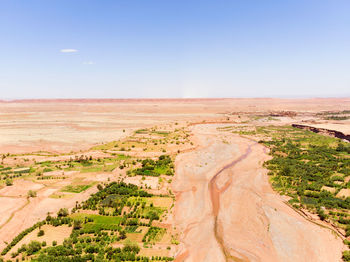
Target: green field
x,y
75,188
126,213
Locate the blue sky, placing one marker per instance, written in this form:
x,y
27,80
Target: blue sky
x,y
174,48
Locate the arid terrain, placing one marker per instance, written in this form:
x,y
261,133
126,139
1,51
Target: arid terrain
x,y
228,211
216,198
71,125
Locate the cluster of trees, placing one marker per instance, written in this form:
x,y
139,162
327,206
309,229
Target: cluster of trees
x,y
81,159
87,248
9,182
150,167
346,255
50,177
135,210
107,195
90,239
30,249
8,174
303,163
111,255
343,148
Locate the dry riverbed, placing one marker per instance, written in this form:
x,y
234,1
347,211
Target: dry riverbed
x,y
227,210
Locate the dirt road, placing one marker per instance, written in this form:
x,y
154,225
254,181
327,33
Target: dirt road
x,y
227,210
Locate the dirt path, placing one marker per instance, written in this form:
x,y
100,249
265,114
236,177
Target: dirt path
x,y
227,210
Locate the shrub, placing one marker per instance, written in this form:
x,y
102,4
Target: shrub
x,y
321,214
346,255
31,193
33,247
41,233
131,247
63,212
77,224
8,182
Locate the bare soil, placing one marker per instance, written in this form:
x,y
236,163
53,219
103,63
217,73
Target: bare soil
x,y
227,210
73,125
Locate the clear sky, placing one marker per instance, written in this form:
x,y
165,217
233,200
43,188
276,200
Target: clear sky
x,y
174,48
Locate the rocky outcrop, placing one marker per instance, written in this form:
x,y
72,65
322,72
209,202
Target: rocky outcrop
x,y
324,131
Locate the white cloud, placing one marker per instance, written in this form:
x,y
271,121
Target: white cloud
x,y
69,50
88,63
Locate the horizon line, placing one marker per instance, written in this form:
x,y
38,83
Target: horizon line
x,y
163,99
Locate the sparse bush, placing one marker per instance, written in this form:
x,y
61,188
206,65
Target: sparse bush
x,y
76,224
8,182
63,212
31,193
33,247
41,233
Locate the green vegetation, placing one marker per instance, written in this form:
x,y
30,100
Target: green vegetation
x,y
346,255
9,173
75,188
87,164
153,234
336,115
41,233
303,163
141,131
9,182
31,193
151,139
148,140
98,219
49,220
162,166
122,208
63,212
314,170
112,223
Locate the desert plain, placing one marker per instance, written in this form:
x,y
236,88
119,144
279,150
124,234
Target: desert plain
x,y
219,201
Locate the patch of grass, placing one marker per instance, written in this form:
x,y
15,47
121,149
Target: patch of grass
x,y
97,219
92,169
75,188
163,133
95,227
5,168
141,131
